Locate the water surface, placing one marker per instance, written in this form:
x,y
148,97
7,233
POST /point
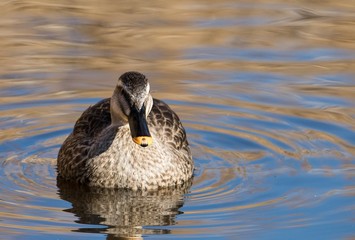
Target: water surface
x,y
266,92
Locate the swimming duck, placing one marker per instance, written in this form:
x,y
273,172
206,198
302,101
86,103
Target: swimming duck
x,y
127,141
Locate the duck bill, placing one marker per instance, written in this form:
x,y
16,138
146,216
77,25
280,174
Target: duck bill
x,y
139,127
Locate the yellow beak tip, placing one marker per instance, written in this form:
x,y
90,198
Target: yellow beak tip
x,y
143,141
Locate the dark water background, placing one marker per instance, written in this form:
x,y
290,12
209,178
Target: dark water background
x,y
266,92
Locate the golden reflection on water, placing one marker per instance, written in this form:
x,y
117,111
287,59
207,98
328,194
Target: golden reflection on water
x,y
124,211
265,90
154,36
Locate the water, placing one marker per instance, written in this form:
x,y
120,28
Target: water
x,y
266,92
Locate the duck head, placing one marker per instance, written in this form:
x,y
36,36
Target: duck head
x,y
130,104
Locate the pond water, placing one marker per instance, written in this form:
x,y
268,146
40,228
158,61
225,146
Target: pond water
x,y
265,90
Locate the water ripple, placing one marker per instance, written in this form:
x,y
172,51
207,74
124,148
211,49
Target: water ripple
x,y
265,91
237,164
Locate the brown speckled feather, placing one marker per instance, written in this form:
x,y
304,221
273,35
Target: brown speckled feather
x,y
97,117
169,125
98,154
94,119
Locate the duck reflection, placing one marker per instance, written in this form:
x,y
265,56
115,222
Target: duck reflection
x,y
123,212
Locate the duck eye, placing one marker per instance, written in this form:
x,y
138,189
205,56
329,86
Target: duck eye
x,y
124,102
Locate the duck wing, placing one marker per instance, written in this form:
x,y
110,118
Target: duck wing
x,y
168,125
94,119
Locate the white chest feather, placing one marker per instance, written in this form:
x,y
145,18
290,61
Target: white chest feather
x,y
127,165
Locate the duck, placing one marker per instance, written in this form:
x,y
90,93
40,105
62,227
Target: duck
x,y
129,141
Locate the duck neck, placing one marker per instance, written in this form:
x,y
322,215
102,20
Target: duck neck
x,y
117,116
117,121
